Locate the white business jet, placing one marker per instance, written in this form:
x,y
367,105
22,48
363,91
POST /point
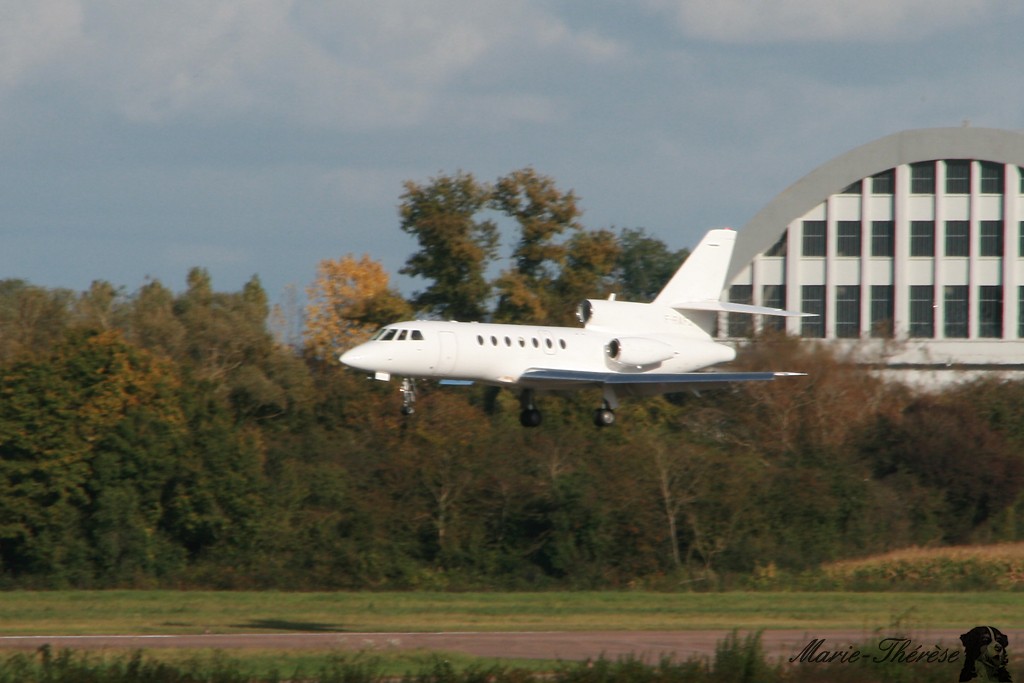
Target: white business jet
x,y
624,348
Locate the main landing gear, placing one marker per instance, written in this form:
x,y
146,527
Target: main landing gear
x,y
530,416
604,416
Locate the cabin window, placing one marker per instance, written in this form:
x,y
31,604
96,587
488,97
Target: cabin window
x,y
508,342
417,335
561,342
536,344
479,340
494,341
522,343
547,343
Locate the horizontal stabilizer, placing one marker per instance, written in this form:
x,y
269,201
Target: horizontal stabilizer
x,y
729,307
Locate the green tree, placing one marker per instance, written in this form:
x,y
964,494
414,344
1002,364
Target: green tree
x,y
643,265
456,246
586,274
543,214
62,425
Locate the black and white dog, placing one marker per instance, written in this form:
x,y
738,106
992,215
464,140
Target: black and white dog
x,y
985,655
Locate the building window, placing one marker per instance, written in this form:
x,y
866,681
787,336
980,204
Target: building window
x,y
922,311
814,238
991,178
884,182
848,238
958,238
848,311
1020,311
740,324
922,178
774,296
955,313
1020,171
881,311
882,238
958,176
922,238
991,238
852,188
812,300
990,311
779,248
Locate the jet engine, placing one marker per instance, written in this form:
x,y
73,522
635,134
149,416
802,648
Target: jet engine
x,y
613,316
638,351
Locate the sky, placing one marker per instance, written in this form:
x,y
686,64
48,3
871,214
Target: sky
x,y
139,138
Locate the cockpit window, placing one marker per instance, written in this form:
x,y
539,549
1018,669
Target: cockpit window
x,y
417,335
402,334
389,335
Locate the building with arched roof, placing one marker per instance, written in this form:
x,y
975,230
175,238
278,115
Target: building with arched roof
x,y
911,246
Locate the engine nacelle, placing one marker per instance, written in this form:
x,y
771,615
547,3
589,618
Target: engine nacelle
x,y
615,316
639,351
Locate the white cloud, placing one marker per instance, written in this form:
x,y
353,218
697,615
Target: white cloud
x,y
773,21
34,33
337,64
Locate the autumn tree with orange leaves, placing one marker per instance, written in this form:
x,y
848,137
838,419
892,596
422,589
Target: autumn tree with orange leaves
x,y
348,300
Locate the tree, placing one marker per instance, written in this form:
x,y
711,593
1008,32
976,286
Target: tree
x,y
32,319
543,213
587,272
644,264
927,444
455,245
85,436
348,300
100,307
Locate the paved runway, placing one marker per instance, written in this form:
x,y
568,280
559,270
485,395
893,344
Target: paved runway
x,y
650,645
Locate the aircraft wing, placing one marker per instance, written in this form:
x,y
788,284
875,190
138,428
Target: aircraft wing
x,y
639,384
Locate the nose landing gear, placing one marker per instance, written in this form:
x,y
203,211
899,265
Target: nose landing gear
x,y
408,390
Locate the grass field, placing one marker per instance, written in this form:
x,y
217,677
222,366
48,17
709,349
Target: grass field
x,y
172,612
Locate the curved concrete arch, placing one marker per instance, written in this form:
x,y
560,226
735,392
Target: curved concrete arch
x,y
907,147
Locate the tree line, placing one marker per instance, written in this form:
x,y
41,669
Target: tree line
x,y
160,438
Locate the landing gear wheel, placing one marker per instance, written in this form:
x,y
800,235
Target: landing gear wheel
x,y
604,417
530,417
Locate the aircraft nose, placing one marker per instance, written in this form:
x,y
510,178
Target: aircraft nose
x,y
355,358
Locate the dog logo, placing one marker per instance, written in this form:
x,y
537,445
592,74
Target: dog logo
x,y
985,655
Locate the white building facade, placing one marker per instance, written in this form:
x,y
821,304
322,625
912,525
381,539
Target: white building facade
x,y
910,247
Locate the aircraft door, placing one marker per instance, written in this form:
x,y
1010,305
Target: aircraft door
x,y
447,352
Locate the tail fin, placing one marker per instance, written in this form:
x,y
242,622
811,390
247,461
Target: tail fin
x,y
696,288
701,278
